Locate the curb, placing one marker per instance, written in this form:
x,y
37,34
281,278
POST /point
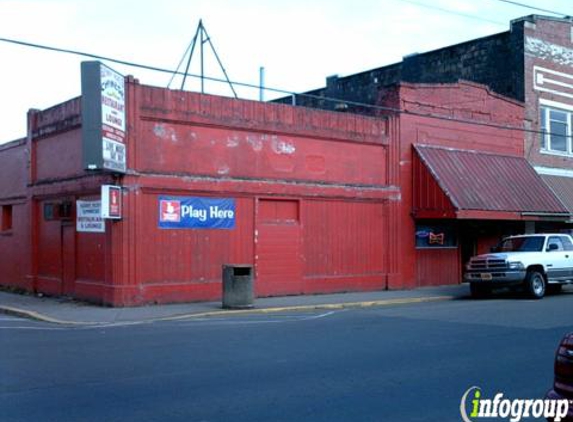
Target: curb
x,y
295,308
36,316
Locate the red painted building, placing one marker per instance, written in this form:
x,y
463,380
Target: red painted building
x,y
322,201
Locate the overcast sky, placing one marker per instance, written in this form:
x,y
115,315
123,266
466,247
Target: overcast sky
x,y
298,42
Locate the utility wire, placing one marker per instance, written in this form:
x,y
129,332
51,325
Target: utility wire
x,y
526,6
275,90
452,12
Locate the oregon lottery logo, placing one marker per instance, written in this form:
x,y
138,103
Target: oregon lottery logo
x,y
170,211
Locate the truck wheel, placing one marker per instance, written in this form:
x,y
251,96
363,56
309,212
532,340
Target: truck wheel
x,y
535,284
479,291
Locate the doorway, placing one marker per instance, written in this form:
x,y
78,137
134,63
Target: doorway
x,y
278,248
68,258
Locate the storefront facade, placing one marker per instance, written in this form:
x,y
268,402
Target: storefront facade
x,y
315,201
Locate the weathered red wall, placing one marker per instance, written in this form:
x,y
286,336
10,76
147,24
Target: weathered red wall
x,y
457,106
435,267
428,195
14,243
13,164
310,187
175,265
59,156
43,255
323,199
167,147
346,244
49,246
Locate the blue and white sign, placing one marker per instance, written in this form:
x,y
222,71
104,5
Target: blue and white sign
x,y
196,213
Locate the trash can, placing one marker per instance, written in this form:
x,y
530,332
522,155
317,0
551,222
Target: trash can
x,y
238,292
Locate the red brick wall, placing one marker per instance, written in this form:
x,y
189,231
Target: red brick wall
x,y
548,46
456,105
333,166
14,240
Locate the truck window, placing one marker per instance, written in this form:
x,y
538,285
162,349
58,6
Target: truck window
x,y
555,240
522,244
567,244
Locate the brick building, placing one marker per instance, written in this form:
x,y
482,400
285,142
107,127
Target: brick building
x,y
317,201
531,63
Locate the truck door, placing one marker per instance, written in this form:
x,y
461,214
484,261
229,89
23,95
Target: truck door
x,y
560,252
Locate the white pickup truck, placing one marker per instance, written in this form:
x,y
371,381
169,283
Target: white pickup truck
x,y
537,262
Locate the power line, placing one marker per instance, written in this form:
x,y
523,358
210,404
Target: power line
x,y
275,90
526,6
452,12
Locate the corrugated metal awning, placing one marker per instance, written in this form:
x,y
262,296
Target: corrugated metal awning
x,y
453,183
562,187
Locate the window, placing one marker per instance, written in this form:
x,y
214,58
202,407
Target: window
x,y
567,244
556,130
6,218
554,244
522,244
57,211
436,236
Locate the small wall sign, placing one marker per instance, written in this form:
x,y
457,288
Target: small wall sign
x,y
111,201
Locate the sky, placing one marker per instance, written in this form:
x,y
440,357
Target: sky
x,y
298,42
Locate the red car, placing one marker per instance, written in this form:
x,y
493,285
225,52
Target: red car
x,y
563,384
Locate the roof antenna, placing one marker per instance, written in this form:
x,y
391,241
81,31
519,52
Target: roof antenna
x,y
202,38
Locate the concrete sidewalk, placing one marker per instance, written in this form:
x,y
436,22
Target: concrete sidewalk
x,y
71,312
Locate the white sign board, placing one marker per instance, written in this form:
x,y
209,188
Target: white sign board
x,y
113,119
112,99
89,219
103,118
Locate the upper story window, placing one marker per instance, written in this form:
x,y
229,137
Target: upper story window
x,y
556,130
5,218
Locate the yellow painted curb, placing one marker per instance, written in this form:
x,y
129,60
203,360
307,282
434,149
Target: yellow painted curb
x,y
295,308
323,306
41,317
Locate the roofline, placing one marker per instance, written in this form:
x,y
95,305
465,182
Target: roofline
x,y
471,151
12,144
413,55
461,81
535,17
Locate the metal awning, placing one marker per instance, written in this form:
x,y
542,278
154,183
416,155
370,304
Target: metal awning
x,y
454,183
562,187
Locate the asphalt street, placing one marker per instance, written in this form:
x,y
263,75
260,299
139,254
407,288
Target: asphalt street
x,y
396,363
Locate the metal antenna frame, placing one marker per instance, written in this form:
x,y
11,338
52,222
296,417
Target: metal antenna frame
x,y
204,38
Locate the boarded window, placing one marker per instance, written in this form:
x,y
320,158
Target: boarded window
x,y
6,218
278,211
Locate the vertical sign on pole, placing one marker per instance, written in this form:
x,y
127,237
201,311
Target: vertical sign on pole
x,y
103,118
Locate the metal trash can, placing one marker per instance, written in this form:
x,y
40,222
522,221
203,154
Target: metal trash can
x,y
238,291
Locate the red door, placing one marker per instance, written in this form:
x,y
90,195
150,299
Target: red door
x,y
68,258
278,248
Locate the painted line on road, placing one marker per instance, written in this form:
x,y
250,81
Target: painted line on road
x,y
232,320
317,307
271,310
